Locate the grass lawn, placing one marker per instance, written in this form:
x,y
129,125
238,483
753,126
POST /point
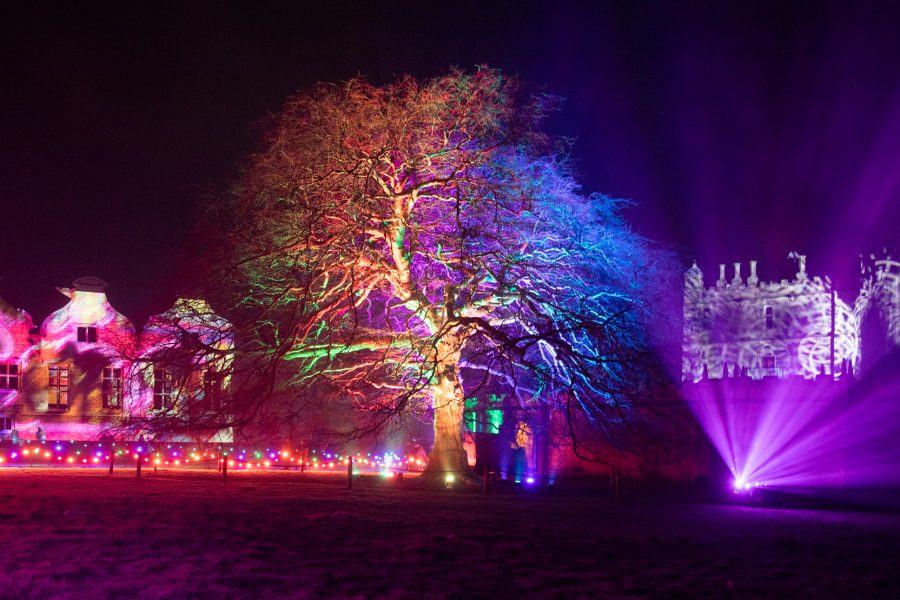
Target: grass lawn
x,y
85,534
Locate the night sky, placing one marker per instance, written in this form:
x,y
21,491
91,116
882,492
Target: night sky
x,y
741,130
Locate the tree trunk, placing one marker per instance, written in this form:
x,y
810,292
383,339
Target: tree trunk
x,y
448,455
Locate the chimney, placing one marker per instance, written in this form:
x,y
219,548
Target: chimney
x,y
753,279
737,274
721,281
801,264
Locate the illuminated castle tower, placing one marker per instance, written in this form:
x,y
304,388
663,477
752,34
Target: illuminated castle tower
x,y
766,329
878,307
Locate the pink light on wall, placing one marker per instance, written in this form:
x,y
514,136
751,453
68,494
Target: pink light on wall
x,y
88,318
15,326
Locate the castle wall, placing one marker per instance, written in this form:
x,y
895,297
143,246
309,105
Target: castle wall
x,y
881,293
798,328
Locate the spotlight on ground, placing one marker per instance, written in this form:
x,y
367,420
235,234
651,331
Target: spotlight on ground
x,y
741,486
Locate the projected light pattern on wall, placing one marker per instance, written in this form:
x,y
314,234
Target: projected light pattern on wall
x,y
75,386
72,378
15,325
881,293
183,350
786,328
16,349
88,318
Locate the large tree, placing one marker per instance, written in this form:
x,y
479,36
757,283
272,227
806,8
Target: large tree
x,y
400,247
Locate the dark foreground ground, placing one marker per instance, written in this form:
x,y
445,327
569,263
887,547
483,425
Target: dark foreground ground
x,y
172,535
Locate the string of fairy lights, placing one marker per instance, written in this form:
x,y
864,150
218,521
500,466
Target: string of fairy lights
x,y
28,453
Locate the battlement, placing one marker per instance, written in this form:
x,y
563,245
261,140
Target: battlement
x,y
694,279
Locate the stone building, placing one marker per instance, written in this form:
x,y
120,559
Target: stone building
x,y
789,328
186,353
18,342
86,369
73,380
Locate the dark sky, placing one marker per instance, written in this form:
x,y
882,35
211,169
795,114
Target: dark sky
x,y
741,129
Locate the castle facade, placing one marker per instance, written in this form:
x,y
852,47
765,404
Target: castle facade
x,y
791,328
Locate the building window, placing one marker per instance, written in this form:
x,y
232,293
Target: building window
x,y
768,361
6,423
58,396
212,389
112,387
190,340
769,313
87,334
484,417
9,377
162,389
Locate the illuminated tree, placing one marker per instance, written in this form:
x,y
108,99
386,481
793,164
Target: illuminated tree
x,y
401,247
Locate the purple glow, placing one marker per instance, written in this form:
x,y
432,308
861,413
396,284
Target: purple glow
x,y
741,486
771,372
796,434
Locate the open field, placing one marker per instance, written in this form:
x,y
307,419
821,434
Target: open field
x,y
73,533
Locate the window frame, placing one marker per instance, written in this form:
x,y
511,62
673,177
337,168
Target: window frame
x,y
58,386
163,389
86,334
112,386
484,416
213,387
6,376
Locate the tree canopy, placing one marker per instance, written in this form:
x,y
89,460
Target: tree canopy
x,y
401,248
